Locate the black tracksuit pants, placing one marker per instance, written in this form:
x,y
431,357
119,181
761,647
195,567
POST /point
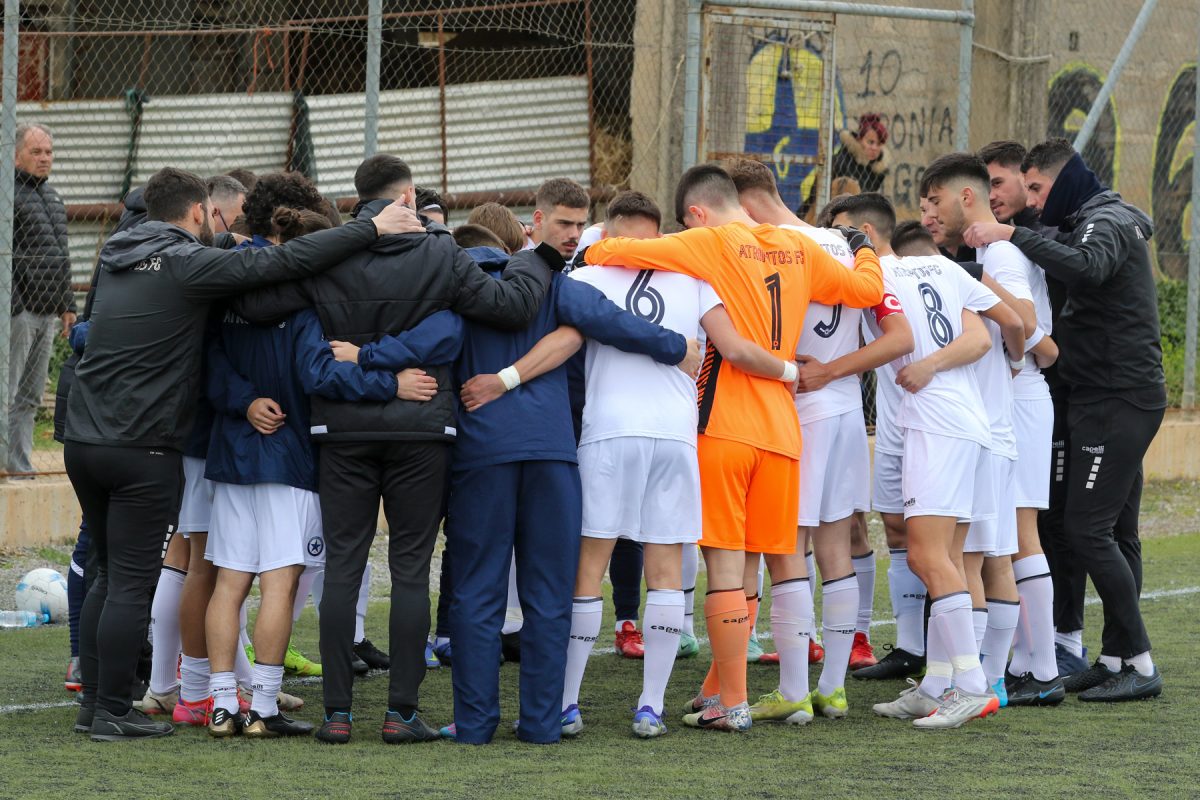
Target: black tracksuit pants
x,y
130,497
1108,439
410,477
1067,573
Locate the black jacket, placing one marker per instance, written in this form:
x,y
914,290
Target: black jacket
x,y
389,288
1107,331
41,262
139,379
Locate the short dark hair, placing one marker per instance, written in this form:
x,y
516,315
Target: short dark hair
x,y
1049,156
170,194
223,187
477,236
634,204
704,183
748,174
1004,152
561,192
287,189
428,198
909,233
869,207
292,222
952,167
379,173
501,221
244,176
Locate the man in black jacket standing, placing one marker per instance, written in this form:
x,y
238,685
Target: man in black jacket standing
x,y
130,411
1111,361
42,300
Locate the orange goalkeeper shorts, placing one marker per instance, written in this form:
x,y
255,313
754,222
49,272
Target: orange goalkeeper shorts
x,y
750,497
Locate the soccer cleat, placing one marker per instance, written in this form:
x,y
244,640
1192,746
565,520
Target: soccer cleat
x,y
133,724
153,703
276,726
1029,691
223,724
288,702
898,663
398,730
336,728
448,731
719,718
83,719
73,681
376,659
1001,692
629,642
245,698
956,708
647,724
911,704
359,666
754,651
196,714
1012,681
816,653
431,660
296,663
1068,662
833,706
1086,679
773,706
1128,684
769,658
688,646
700,702
572,721
510,647
861,653
444,652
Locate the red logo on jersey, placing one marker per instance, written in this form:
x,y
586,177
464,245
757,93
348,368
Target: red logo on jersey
x,y
890,304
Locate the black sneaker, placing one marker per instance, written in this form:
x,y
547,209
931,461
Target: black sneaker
x,y
257,726
398,730
1012,681
1093,676
359,666
133,725
510,647
372,655
224,723
336,728
83,719
897,664
1029,691
1128,684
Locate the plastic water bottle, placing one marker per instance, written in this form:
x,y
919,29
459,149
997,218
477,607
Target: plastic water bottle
x,y
19,619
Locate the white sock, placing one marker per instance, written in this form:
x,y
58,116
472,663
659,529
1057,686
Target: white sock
x,y
242,668
318,590
360,608
1037,610
762,568
691,565
839,607
1071,641
1112,663
164,631
908,603
979,625
864,573
810,564
952,615
1142,663
303,589
791,619
268,680
1001,625
243,622
194,679
514,618
586,613
663,619
224,691
939,672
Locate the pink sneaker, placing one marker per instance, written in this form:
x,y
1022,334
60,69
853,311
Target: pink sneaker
x,y
196,714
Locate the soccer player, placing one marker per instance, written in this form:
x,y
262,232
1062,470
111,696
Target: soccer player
x,y
749,447
834,464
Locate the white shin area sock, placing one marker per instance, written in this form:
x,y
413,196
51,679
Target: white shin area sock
x,y
864,574
303,588
586,613
839,599
791,619
908,603
1142,663
979,626
939,672
268,680
164,631
952,615
514,618
662,622
360,608
1072,641
193,679
810,564
224,691
691,566
1001,625
762,568
1037,608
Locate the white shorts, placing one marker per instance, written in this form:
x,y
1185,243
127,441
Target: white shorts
x,y
835,469
265,526
997,536
639,488
1033,421
939,475
195,512
983,502
887,494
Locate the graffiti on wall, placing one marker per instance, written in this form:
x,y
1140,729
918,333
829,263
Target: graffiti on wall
x,y
1073,91
1171,175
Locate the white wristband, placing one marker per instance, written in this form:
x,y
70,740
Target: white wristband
x,y
1019,364
1034,340
510,378
790,371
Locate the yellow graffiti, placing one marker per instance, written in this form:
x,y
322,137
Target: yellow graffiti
x,y
782,165
1074,121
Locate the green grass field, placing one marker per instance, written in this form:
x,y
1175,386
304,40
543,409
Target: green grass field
x,y
1147,749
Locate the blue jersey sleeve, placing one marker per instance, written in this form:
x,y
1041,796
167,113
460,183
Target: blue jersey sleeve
x,y
227,390
323,375
585,307
437,339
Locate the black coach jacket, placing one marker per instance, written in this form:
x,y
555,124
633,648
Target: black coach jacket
x,y
41,261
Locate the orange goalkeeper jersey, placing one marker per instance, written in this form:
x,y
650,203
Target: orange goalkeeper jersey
x,y
766,277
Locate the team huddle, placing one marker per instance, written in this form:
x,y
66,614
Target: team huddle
x,y
538,401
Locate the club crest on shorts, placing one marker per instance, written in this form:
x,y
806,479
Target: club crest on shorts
x,y
316,545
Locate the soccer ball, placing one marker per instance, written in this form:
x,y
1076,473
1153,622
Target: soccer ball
x,y
43,591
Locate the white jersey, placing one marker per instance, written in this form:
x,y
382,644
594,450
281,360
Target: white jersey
x,y
934,291
633,395
1029,383
1009,267
829,333
888,396
589,237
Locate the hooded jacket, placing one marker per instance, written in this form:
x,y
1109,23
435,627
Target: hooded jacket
x,y
852,162
41,262
1108,330
139,379
388,289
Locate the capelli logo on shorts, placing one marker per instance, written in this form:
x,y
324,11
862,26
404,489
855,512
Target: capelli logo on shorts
x,y
1098,450
910,502
316,546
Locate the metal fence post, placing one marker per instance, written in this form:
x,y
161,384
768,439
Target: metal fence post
x,y
1188,401
8,132
1114,75
374,54
966,39
691,82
